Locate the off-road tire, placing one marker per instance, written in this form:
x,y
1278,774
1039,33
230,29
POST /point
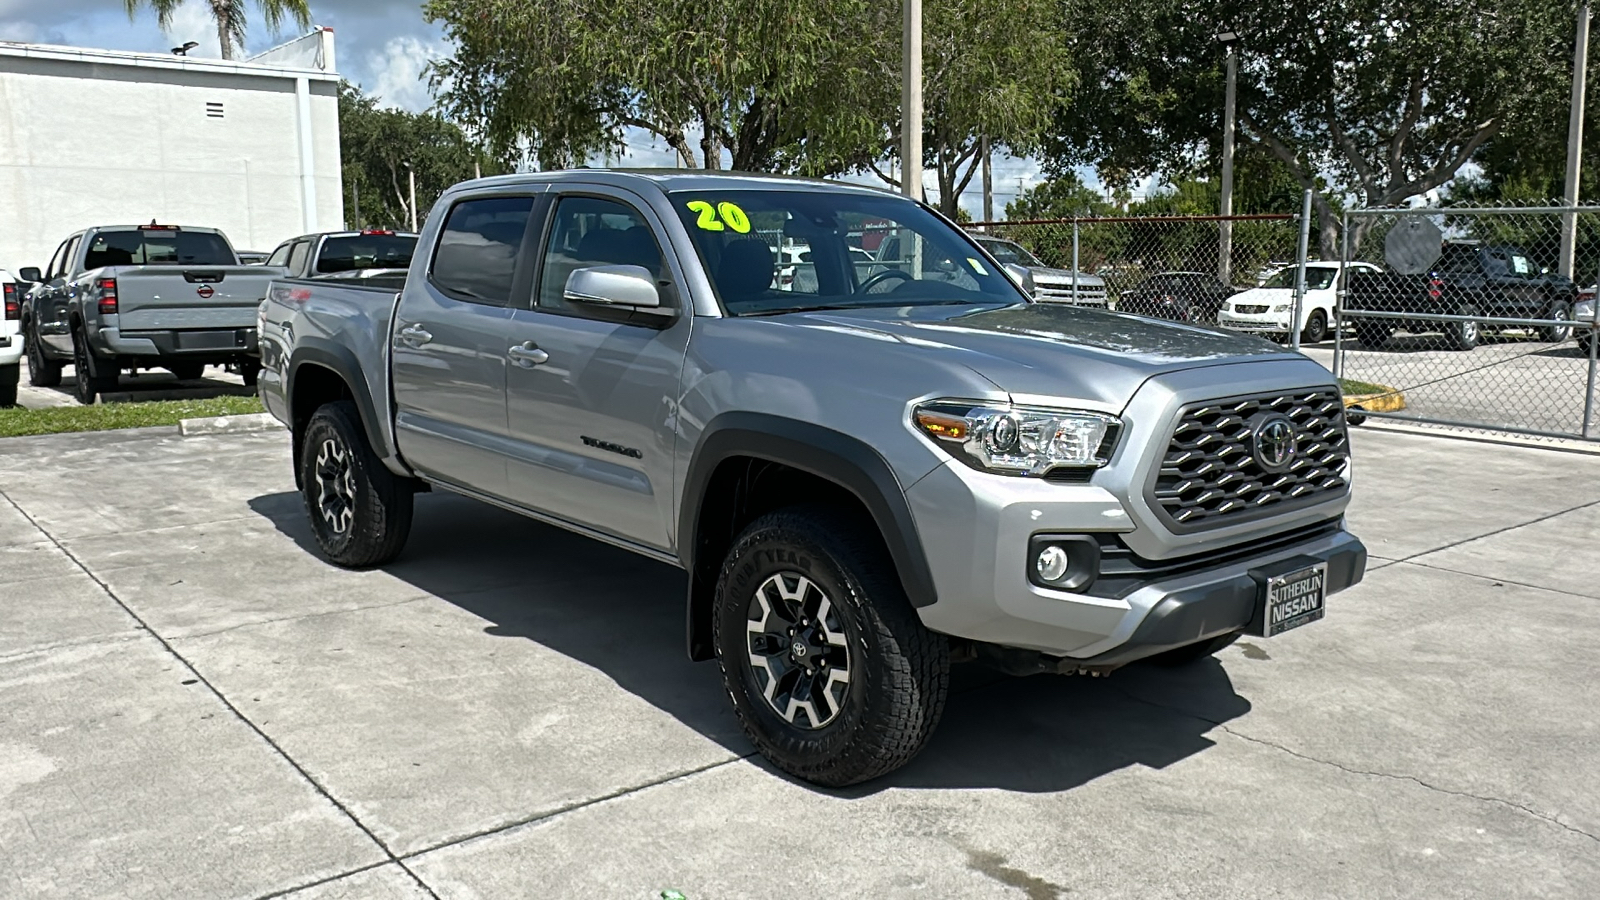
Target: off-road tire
x,y
187,371
1373,333
1463,335
91,377
1182,656
9,377
44,373
379,503
1557,334
1316,328
899,671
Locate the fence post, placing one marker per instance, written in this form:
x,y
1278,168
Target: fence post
x,y
1343,285
1075,261
1300,274
1594,352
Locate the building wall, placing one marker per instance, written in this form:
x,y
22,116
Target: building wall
x,y
92,141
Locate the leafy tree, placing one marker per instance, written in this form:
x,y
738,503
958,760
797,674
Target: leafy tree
x,y
777,85
230,16
376,143
1377,101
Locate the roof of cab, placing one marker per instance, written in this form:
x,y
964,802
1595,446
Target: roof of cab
x,y
677,180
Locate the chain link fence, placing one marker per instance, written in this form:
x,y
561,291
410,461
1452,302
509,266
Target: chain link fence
x,y
1476,318
1167,266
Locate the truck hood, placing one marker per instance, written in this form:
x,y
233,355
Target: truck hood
x,y
1046,350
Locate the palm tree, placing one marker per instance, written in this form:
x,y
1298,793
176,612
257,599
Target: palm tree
x,y
230,16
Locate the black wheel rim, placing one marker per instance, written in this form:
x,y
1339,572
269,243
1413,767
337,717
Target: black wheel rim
x,y
799,654
336,486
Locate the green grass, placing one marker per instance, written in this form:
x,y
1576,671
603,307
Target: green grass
x,y
1363,387
111,416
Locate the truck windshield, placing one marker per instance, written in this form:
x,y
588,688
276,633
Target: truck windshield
x,y
137,247
366,251
865,250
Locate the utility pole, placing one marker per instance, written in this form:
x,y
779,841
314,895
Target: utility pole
x,y
911,101
411,175
1225,239
988,184
1580,66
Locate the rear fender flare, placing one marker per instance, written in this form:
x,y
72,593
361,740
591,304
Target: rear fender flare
x,y
342,362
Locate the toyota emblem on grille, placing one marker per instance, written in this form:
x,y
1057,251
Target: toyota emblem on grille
x,y
205,291
1275,443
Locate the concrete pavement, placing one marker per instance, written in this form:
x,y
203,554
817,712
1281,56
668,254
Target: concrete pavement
x,y
193,704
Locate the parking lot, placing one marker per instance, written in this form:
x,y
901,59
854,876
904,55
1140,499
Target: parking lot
x,y
197,706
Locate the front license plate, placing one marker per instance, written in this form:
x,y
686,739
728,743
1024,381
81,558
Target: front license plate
x,y
1298,598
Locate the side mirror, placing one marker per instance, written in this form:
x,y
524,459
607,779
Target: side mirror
x,y
632,286
31,273
1022,277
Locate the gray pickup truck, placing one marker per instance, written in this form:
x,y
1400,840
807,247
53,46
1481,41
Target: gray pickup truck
x,y
865,482
152,296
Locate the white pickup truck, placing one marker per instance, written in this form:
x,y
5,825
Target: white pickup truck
x,y
152,296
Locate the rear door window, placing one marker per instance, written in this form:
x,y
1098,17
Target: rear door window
x,y
477,254
297,256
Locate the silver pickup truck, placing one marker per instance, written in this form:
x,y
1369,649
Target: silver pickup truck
x,y
152,296
865,481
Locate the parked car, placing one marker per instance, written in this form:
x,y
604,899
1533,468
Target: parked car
x,y
349,254
1178,296
10,339
1469,279
1584,322
120,297
1269,309
845,476
1051,285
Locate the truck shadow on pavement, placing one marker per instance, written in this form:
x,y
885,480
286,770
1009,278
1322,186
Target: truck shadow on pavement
x,y
623,615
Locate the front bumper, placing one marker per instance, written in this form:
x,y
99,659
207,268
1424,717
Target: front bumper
x,y
1255,324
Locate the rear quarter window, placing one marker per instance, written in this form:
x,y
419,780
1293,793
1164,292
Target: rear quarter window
x,y
476,257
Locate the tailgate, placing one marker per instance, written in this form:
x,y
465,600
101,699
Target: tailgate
x,y
174,298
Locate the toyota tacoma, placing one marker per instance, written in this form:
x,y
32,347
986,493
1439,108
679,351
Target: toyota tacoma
x,y
865,481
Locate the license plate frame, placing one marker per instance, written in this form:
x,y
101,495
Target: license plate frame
x,y
1290,597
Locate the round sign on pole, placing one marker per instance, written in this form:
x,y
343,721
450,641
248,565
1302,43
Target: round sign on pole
x,y
1413,245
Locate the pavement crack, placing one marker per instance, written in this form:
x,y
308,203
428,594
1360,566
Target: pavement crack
x,y
574,807
1543,817
1499,580
1489,534
223,699
301,617
136,633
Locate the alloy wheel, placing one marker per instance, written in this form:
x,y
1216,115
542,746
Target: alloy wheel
x,y
798,650
336,486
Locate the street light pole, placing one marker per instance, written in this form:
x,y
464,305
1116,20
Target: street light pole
x,y
411,175
1580,65
988,183
1225,240
911,102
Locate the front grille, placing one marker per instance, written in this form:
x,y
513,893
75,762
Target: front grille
x,y
1094,295
1211,477
1249,309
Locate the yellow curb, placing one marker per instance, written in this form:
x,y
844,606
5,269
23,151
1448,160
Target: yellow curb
x,y
1389,401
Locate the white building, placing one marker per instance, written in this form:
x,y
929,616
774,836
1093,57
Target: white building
x,y
99,137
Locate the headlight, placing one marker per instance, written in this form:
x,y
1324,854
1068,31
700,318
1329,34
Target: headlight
x,y
1019,440
1283,307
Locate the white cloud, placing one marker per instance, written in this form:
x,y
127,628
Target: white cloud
x,y
397,72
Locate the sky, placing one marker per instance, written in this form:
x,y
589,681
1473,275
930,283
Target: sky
x,y
382,45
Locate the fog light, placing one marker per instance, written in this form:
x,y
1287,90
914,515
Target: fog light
x,y
1052,563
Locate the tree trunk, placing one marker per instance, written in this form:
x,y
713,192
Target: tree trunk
x,y
1327,227
225,33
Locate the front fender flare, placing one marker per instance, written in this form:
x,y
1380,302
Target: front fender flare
x,y
834,456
